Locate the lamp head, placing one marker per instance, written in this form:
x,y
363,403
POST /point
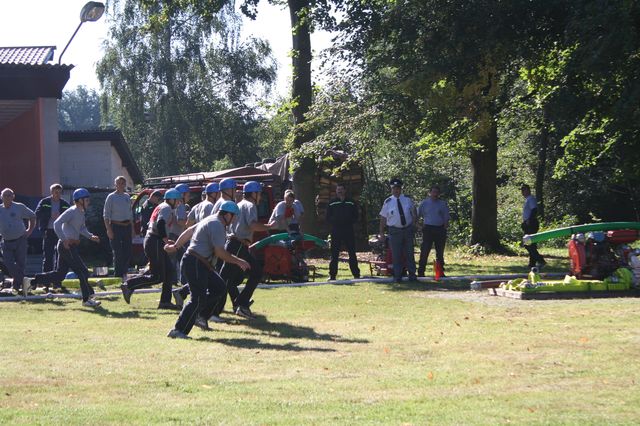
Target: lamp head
x,y
92,11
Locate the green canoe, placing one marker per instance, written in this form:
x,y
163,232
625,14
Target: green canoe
x,y
589,227
272,239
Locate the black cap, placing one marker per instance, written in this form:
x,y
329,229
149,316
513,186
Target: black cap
x,y
395,182
156,193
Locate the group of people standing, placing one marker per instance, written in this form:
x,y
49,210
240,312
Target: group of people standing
x,y
207,247
62,225
401,218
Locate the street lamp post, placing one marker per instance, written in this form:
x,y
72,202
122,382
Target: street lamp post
x,y
91,12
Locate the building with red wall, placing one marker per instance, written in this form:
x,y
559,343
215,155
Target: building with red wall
x,y
29,89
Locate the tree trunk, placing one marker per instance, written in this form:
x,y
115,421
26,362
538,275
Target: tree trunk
x,y
484,209
301,61
304,177
541,168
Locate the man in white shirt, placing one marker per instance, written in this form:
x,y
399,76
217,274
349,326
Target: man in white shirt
x,y
398,213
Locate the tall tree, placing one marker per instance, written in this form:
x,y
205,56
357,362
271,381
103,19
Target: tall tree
x,y
179,82
438,68
79,109
304,15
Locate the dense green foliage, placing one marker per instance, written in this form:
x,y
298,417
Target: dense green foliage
x,y
477,96
182,86
550,87
79,109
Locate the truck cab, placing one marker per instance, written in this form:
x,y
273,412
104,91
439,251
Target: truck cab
x,y
197,183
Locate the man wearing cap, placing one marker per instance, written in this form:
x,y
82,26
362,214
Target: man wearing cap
x,y
14,237
118,220
47,211
160,265
239,239
342,213
530,225
69,227
398,213
206,244
435,221
287,214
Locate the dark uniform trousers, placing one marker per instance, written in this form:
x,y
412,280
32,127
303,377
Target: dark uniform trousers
x,y
49,243
340,235
233,276
432,235
121,247
67,259
532,249
160,267
206,289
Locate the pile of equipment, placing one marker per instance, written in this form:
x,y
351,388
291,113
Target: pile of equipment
x,y
601,259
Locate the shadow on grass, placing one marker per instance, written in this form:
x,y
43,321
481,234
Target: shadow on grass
x,y
257,344
461,285
290,331
104,312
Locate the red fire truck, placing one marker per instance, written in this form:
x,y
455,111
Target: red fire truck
x,y
271,194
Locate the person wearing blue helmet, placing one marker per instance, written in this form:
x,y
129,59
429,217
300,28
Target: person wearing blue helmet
x,y
239,238
161,269
197,213
206,241
205,207
179,225
118,221
69,226
227,193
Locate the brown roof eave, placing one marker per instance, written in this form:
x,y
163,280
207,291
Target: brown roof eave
x,y
18,82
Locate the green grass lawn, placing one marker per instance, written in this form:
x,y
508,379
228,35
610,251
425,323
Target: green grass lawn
x,y
345,354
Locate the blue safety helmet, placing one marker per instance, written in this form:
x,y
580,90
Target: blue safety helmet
x,y
183,188
227,183
252,186
80,193
172,194
229,207
212,187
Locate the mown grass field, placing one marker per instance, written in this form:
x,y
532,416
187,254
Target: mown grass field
x,y
367,353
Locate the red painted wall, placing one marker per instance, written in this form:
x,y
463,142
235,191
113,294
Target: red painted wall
x,y
21,154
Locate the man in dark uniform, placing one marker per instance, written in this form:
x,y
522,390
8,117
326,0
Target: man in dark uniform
x,y
47,211
530,225
147,209
160,266
342,213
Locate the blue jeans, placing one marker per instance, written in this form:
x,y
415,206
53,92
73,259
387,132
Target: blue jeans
x,y
14,253
401,242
